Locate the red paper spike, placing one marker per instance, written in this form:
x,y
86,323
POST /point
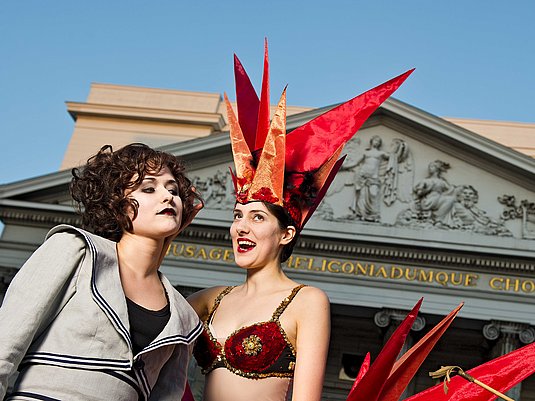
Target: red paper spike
x,y
265,107
268,182
247,103
323,187
242,155
308,146
363,369
370,387
307,166
409,363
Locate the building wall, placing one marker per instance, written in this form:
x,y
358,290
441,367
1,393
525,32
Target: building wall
x,y
118,115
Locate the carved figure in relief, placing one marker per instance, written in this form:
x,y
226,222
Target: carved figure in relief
x,y
324,211
367,177
399,175
434,198
439,204
435,195
525,211
217,190
467,216
378,175
367,181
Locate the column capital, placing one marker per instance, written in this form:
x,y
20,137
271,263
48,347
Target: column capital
x,y
524,332
385,317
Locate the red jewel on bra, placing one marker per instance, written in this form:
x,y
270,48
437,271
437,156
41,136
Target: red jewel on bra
x,y
255,348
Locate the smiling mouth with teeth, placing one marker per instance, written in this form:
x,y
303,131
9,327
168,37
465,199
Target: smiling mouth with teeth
x,y
245,245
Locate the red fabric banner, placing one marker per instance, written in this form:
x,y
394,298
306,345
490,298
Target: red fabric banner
x,y
501,374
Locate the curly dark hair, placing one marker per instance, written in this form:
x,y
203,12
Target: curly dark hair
x,y
285,220
99,187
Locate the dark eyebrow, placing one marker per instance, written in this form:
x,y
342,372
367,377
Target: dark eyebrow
x,y
151,179
250,211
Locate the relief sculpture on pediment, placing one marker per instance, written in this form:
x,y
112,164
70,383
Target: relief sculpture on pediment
x,y
370,178
440,204
217,190
433,199
376,185
524,210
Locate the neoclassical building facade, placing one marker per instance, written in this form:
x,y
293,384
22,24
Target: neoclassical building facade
x,y
423,207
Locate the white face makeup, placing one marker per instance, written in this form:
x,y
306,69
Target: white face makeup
x,y
159,205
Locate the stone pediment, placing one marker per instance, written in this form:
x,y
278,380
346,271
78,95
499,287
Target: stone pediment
x,y
47,189
42,201
410,178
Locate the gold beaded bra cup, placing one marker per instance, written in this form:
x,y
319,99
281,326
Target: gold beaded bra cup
x,y
256,351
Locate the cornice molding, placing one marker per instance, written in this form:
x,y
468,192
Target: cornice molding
x,y
20,216
426,257
30,208
214,120
216,142
442,127
34,184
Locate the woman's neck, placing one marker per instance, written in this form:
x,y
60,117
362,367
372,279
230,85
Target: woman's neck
x,y
266,279
139,256
139,260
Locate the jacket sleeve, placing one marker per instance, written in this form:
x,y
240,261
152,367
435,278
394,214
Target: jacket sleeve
x,y
35,296
172,379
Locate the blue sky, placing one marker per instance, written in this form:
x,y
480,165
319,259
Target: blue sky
x,y
473,59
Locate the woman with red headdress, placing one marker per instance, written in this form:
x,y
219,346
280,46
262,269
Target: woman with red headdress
x,y
269,327
267,339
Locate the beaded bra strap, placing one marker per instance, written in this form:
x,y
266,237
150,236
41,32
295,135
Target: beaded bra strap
x,y
217,301
285,302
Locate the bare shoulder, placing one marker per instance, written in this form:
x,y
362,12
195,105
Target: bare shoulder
x,y
313,294
311,312
311,299
203,300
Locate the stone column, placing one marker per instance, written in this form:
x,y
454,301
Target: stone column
x,y
508,336
390,319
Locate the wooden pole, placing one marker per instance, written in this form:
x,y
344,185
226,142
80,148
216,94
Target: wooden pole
x,y
448,370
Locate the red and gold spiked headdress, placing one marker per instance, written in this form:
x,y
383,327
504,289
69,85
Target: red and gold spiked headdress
x,y
294,170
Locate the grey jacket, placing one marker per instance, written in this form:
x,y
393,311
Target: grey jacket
x,y
64,325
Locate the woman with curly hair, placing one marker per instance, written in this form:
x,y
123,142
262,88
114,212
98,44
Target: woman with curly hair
x,y
89,316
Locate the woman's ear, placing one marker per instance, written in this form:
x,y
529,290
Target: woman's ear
x,y
288,235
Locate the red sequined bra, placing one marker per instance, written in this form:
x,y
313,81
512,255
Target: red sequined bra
x,y
256,351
